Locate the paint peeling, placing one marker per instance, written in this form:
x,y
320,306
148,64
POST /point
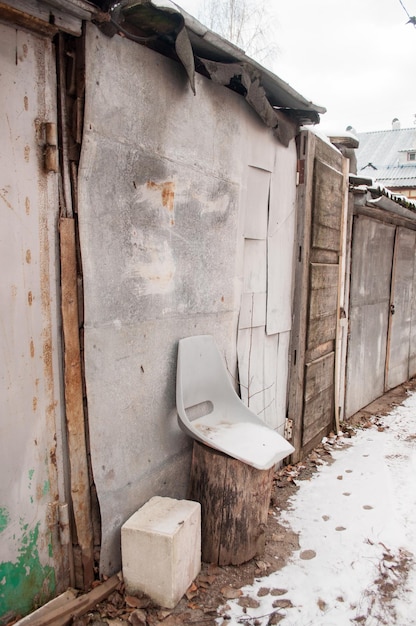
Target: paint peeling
x,y
25,584
28,257
4,518
32,348
27,205
27,153
30,298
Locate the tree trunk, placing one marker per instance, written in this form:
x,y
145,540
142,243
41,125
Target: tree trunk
x,y
234,500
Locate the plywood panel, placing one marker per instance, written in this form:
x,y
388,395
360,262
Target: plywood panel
x,y
281,241
253,310
255,266
263,374
257,203
401,303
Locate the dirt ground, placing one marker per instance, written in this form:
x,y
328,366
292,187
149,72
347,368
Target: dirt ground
x,y
215,585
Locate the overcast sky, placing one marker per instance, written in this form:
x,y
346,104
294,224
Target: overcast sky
x,y
357,58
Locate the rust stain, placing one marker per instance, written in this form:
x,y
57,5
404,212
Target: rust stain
x,y
30,298
25,50
34,403
27,153
167,191
28,256
32,348
27,205
26,103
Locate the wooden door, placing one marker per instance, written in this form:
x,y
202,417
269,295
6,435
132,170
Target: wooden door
x,y
371,269
321,206
400,326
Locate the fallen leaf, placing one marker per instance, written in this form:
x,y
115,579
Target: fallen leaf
x,y
135,603
138,618
231,593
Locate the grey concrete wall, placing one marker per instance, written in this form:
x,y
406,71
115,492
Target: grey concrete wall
x,y
161,202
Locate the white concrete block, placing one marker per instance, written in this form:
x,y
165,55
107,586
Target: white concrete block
x,y
161,549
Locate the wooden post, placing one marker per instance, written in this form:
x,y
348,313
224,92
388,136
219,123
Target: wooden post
x,y
235,499
75,419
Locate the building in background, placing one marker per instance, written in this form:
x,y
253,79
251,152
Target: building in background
x,y
389,158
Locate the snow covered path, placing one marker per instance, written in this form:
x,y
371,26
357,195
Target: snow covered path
x,y
356,520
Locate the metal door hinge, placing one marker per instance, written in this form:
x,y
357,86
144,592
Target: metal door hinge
x,y
300,172
51,147
288,429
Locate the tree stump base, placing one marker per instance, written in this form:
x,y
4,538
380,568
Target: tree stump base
x,y
235,500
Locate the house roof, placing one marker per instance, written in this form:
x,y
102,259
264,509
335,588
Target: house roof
x,y
381,156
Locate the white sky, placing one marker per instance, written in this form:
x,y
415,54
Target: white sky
x,y
357,58
356,521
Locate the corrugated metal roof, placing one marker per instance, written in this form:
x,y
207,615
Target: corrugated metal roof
x,y
380,156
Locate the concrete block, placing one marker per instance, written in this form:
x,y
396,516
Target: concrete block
x,y
161,549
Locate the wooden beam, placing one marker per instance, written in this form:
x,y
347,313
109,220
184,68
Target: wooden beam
x,y
62,613
75,419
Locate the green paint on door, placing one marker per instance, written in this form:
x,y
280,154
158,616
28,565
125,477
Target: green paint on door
x,y
4,518
25,584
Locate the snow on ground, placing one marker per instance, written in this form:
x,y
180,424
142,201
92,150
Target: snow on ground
x,y
356,520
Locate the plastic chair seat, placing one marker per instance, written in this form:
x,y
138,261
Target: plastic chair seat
x,y
210,411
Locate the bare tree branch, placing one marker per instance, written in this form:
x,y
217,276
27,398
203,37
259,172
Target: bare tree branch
x,y
246,23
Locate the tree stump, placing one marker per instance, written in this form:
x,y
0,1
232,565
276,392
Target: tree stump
x,y
235,499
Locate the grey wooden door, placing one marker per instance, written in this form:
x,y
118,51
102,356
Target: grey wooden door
x,y
402,293
371,267
321,203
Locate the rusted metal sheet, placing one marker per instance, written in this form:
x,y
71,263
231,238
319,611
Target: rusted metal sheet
x,y
75,419
33,565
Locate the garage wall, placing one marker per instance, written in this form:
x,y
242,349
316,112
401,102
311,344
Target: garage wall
x,y
162,205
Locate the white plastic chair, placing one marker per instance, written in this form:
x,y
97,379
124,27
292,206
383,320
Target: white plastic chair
x,y
210,411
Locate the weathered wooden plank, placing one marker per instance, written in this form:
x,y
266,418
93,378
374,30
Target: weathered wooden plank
x,y
306,150
319,351
63,612
319,376
324,256
318,413
323,304
80,483
327,200
234,500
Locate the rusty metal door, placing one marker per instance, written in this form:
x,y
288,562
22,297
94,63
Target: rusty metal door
x,y
321,206
34,564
